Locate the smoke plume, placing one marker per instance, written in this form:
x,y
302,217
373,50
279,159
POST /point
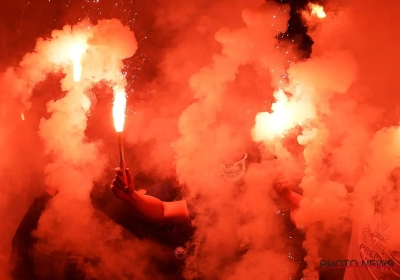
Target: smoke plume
x,y
213,83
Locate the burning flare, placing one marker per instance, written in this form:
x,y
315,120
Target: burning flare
x,y
76,52
22,116
272,125
119,109
317,10
119,121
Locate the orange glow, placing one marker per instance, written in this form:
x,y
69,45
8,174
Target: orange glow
x,y
119,109
317,10
75,53
272,125
22,116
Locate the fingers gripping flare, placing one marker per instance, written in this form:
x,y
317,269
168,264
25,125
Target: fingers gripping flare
x,y
123,173
282,184
128,177
123,180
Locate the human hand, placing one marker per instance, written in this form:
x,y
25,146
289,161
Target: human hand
x,y
122,186
282,185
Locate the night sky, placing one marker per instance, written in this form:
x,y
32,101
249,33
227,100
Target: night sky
x,y
296,29
21,22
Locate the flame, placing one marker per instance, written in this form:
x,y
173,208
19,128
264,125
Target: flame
x,y
75,53
119,109
317,10
272,125
22,116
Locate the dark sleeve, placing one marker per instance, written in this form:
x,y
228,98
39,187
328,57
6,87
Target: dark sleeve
x,y
163,191
23,242
116,210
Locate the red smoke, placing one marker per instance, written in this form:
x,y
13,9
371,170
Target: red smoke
x,y
220,87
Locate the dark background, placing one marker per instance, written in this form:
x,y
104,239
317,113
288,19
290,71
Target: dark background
x,y
21,22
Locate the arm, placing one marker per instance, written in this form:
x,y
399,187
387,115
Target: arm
x,y
284,187
154,210
148,207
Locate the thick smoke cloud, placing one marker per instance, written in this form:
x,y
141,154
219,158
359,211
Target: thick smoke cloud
x,y
223,86
77,163
86,55
340,149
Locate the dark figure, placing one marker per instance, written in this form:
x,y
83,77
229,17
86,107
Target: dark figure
x,y
23,247
75,265
156,210
23,242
